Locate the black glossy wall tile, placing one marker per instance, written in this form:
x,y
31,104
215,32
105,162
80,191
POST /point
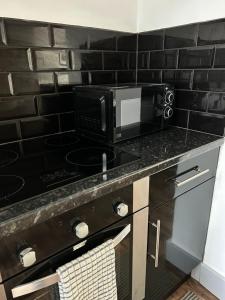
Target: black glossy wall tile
x,y
132,60
217,103
210,123
16,107
148,76
39,126
23,33
115,60
183,36
8,132
163,59
209,80
102,39
220,57
1,32
127,42
180,118
51,59
152,40
14,59
143,60
212,33
196,58
192,100
86,60
180,79
66,80
126,76
102,77
70,37
67,121
28,83
55,103
4,84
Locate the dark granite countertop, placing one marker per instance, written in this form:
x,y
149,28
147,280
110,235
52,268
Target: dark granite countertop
x,y
157,152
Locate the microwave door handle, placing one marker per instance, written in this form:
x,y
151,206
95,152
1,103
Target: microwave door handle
x,y
47,281
103,113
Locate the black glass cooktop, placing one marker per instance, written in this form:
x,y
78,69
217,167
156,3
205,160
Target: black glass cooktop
x,y
30,168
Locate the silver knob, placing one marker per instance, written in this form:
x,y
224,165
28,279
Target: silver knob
x,y
81,230
27,257
168,112
122,209
169,97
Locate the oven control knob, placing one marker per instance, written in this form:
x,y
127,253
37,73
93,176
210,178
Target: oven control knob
x,y
168,112
122,209
169,97
27,257
81,230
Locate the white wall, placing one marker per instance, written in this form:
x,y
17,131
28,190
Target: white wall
x,y
155,14
108,14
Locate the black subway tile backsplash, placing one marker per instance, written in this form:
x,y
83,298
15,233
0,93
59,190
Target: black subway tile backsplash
x,y
163,59
115,60
148,76
126,76
87,60
8,132
4,84
217,103
180,79
103,77
39,126
127,42
220,57
40,63
55,103
210,123
66,80
143,60
16,107
23,33
179,37
192,100
152,40
209,80
195,58
70,37
51,59
212,33
14,60
102,39
180,118
35,82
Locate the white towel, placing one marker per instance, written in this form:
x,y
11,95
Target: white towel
x,y
91,276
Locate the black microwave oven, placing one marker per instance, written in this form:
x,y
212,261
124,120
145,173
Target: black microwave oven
x,y
111,114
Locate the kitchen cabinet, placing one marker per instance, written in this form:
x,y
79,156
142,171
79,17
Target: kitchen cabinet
x,y
180,205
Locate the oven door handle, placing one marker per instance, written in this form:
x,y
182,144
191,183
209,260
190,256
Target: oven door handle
x,y
44,282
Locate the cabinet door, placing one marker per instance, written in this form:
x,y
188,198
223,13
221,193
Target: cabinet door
x,y
181,226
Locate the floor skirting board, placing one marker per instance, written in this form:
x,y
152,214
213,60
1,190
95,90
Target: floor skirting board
x,y
211,280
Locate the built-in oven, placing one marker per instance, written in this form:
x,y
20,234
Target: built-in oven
x,y
28,270
114,113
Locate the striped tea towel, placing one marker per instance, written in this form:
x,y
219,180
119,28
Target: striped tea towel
x,y
91,276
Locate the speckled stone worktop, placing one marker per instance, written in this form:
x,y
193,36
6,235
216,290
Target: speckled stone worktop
x,y
157,152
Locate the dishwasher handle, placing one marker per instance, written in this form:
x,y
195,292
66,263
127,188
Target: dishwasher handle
x,y
197,175
44,282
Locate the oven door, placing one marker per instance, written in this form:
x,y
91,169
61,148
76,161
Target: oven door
x,y
45,289
139,111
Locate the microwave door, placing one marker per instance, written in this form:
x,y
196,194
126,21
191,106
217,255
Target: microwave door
x,y
91,113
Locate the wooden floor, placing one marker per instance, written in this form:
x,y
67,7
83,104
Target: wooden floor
x,y
194,286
